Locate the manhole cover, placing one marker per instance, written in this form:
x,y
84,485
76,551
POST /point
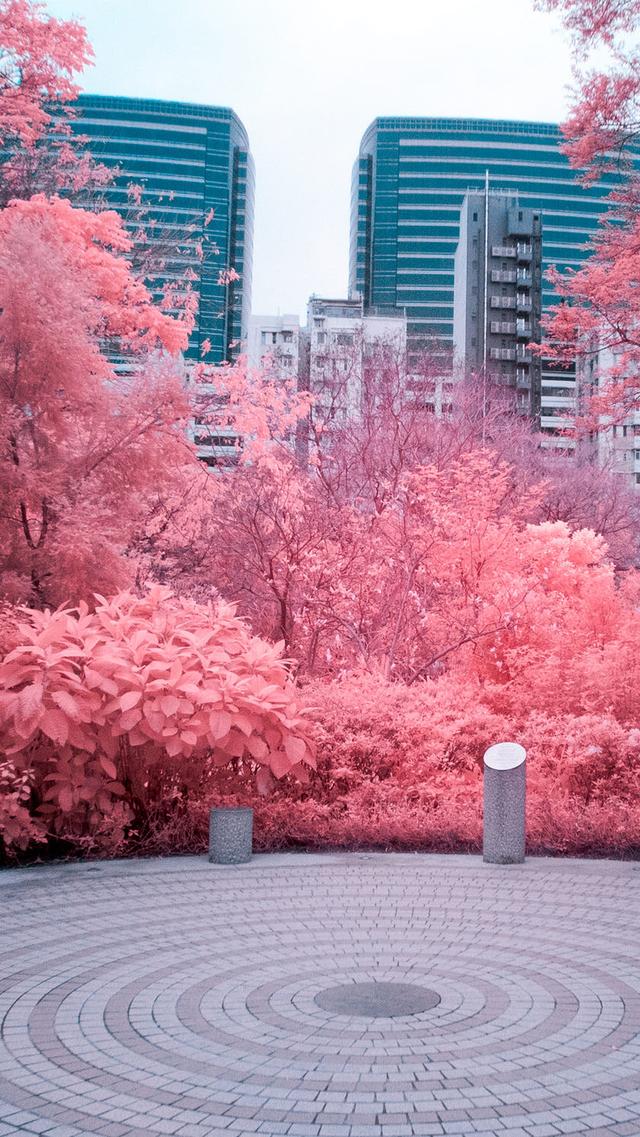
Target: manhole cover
x,y
377,1000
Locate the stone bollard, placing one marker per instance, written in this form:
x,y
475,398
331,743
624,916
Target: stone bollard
x,y
504,804
230,835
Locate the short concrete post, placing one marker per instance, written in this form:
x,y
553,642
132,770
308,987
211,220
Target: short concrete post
x,y
504,804
230,835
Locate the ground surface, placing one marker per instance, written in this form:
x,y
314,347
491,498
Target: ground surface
x,y
173,997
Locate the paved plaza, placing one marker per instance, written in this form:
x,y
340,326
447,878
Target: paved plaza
x,y
173,997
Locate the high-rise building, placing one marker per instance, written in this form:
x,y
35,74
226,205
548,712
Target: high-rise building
x,y
497,294
195,176
409,182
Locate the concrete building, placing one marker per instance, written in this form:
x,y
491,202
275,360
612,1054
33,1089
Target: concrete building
x,y
616,446
275,342
339,336
497,294
326,356
195,175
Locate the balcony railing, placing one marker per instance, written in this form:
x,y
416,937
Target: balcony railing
x,y
503,250
523,303
502,353
522,379
503,302
524,251
500,328
523,329
523,355
523,277
503,276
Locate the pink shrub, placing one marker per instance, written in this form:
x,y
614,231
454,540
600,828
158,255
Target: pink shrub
x,y
92,704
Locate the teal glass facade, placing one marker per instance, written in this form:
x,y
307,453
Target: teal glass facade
x,y
188,160
409,181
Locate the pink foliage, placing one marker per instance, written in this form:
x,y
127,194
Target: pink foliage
x,y
599,307
40,56
90,700
82,446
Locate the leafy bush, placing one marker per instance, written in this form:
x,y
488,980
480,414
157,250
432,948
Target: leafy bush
x,y
94,706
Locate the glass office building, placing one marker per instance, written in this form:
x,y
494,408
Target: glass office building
x,y
409,182
191,163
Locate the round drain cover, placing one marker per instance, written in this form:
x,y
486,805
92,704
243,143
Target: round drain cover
x,y
377,1000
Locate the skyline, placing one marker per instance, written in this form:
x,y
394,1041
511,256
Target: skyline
x,y
351,67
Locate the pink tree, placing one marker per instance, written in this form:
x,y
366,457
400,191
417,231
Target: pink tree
x,y
40,58
82,446
600,308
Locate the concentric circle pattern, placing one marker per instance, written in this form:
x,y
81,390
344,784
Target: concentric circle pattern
x,y
175,997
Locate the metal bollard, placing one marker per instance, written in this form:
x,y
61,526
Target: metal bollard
x,y
504,804
230,835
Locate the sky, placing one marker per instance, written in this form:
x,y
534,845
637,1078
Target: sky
x,y
307,79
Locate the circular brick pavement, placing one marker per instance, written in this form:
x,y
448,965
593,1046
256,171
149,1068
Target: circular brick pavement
x,y
174,997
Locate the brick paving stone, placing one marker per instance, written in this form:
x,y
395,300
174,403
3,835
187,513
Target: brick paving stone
x,y
174,997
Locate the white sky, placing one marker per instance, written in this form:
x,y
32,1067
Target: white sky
x,y
307,79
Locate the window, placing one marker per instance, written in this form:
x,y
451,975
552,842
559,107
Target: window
x,y
344,338
519,215
287,337
475,215
321,337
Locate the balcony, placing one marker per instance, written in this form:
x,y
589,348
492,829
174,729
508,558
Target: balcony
x,y
524,251
523,355
523,382
523,303
524,278
502,353
499,328
503,276
523,329
503,250
503,302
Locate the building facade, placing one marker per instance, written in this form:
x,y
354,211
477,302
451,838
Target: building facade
x,y
497,294
274,343
339,336
614,445
194,186
409,182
